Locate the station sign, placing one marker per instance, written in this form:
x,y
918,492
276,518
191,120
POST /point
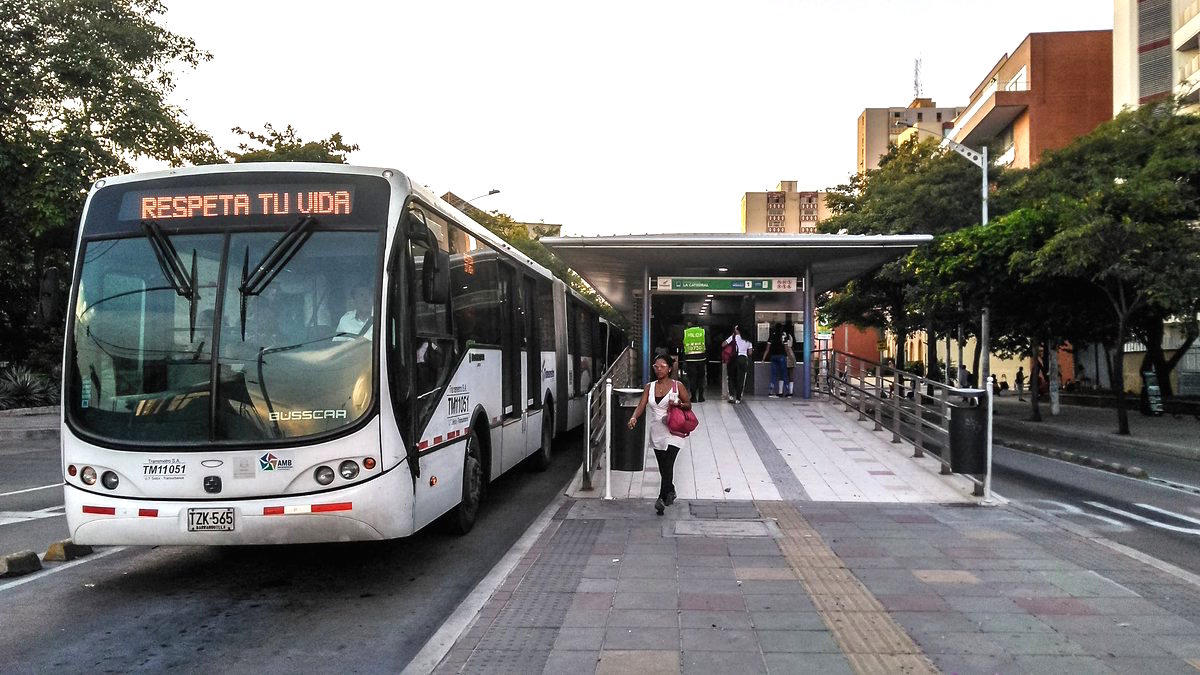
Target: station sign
x,y
727,285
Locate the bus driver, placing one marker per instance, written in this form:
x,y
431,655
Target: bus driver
x,y
356,322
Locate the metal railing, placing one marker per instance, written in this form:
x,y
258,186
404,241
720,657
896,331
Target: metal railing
x,y
595,426
913,408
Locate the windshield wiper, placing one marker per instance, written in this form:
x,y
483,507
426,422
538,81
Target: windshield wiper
x,y
280,254
172,268
265,271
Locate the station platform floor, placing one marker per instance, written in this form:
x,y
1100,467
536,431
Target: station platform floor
x,y
788,449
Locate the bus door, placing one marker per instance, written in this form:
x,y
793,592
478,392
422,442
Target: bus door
x,y
513,348
533,351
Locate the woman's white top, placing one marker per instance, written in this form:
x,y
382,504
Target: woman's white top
x,y
656,418
743,346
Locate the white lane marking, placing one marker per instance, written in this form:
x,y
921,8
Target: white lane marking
x,y
18,492
1064,509
58,568
1142,519
11,517
1151,507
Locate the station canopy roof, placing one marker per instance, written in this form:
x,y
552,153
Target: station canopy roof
x,y
614,265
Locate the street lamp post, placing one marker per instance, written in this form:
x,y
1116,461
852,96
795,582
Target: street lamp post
x,y
489,193
980,159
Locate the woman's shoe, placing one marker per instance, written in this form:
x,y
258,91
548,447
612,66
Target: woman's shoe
x,y
670,498
659,506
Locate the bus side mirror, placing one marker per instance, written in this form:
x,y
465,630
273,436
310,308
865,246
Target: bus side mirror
x,y
49,305
435,276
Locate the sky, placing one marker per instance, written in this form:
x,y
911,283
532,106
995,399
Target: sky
x,y
617,117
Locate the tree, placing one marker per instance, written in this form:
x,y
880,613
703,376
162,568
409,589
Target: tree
x,y
1126,199
287,146
83,93
918,188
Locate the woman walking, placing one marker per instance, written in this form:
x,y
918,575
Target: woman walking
x,y
660,396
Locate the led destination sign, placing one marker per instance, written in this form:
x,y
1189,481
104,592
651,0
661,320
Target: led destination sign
x,y
223,203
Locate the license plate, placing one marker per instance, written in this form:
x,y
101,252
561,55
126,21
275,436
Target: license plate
x,y
210,520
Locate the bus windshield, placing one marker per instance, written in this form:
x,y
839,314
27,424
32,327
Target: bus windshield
x,y
208,358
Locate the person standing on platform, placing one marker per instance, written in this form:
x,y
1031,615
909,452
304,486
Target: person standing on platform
x,y
658,397
695,355
776,354
789,385
739,365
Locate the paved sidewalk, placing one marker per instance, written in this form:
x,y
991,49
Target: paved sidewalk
x,y
829,588
29,423
1172,435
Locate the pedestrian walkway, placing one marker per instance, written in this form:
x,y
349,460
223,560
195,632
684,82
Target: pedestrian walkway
x,y
841,569
1167,434
29,423
789,449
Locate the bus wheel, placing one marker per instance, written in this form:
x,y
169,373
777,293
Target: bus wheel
x,y
462,518
541,459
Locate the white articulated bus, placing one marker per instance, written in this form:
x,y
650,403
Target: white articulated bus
x,y
284,353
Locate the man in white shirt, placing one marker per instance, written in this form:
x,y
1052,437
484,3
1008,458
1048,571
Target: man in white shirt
x,y
353,322
739,364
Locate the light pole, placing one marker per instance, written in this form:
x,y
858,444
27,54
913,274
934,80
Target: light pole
x,y
980,159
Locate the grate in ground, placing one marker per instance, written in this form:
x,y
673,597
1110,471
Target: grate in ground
x,y
518,638
506,662
724,510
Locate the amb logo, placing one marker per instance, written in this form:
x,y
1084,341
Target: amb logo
x,y
269,462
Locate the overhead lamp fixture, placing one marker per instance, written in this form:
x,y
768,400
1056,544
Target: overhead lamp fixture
x,y
722,269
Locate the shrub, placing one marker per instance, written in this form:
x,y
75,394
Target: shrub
x,y
20,387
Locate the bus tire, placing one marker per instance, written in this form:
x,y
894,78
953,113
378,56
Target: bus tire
x,y
462,517
541,458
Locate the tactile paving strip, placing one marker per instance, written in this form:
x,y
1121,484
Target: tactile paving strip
x,y
871,640
777,467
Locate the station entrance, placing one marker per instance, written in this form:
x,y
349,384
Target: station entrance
x,y
660,281
757,315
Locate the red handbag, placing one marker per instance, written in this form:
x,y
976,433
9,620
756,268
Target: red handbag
x,y
680,422
727,352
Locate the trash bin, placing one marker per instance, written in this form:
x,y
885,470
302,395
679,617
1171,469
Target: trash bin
x,y
628,445
968,433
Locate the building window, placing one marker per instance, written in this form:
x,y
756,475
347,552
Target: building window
x,y
920,116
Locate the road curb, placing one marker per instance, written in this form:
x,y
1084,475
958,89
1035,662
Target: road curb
x,y
62,551
1075,458
436,648
17,564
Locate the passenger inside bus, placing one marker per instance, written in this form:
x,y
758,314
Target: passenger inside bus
x,y
356,322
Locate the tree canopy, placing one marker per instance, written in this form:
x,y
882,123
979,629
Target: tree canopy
x,y
287,146
83,93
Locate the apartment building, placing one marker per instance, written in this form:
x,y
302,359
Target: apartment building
x,y
1053,88
1156,51
784,210
881,128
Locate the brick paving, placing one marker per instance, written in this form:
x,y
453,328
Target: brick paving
x,y
825,587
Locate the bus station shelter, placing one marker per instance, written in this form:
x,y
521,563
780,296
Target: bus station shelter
x,y
662,281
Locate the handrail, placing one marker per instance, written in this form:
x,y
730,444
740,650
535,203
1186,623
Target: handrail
x,y
595,430
916,408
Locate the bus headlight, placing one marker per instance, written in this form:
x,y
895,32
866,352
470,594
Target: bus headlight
x,y
109,480
323,475
88,475
348,469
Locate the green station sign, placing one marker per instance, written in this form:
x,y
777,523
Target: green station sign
x,y
726,285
